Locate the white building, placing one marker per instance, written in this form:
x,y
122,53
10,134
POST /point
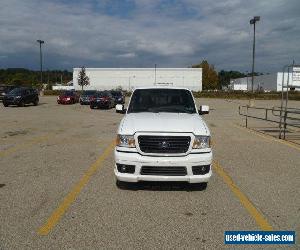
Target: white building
x,y
62,87
130,78
271,82
290,81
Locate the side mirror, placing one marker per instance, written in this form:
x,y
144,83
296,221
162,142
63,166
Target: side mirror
x,y
120,109
204,109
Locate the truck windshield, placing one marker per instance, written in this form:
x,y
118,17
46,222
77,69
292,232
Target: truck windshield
x,y
89,92
103,94
162,100
17,91
68,93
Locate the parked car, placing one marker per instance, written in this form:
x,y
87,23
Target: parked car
x,y
86,96
68,97
118,96
163,137
103,99
5,89
21,97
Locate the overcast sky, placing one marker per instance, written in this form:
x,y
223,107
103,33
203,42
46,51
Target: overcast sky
x,y
140,33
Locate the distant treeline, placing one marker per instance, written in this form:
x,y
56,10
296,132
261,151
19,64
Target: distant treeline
x,y
20,76
211,79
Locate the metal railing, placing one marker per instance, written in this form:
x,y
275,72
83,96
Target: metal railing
x,y
284,117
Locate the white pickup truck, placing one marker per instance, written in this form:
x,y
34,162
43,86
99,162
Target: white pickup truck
x,y
163,137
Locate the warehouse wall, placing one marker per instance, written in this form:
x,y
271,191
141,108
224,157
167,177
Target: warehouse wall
x,y
264,82
285,80
130,78
271,82
239,84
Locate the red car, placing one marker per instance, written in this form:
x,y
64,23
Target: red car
x,y
68,97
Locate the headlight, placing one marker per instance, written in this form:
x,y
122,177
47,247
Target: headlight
x,y
125,141
201,142
68,98
18,96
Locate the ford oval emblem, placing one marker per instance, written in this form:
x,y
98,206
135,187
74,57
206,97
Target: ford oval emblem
x,y
164,145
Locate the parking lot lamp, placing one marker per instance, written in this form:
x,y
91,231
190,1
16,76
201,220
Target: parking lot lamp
x,y
253,21
41,59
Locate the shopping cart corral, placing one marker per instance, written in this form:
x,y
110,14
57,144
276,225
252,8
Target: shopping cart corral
x,y
286,119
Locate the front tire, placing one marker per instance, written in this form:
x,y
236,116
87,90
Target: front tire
x,y
36,102
21,104
92,107
5,104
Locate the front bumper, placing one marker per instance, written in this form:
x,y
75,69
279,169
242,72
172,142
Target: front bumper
x,y
101,104
64,101
11,101
139,160
85,101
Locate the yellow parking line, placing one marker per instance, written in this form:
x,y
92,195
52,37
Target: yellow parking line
x,y
24,145
268,137
252,210
70,198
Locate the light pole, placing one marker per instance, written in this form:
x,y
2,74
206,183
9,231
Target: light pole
x,y
41,59
253,21
155,74
247,80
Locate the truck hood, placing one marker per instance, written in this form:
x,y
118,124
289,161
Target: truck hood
x,y
163,122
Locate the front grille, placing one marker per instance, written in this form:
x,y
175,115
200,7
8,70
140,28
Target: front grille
x,y
163,171
164,144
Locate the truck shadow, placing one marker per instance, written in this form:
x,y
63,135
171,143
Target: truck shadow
x,y
292,135
162,186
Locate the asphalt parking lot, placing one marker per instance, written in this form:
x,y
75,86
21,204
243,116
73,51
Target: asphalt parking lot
x,y
57,187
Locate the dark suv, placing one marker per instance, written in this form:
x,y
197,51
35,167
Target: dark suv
x,y
118,96
102,99
21,97
87,96
4,89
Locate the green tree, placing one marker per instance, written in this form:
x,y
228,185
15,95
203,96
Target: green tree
x,y
209,75
225,76
83,79
20,76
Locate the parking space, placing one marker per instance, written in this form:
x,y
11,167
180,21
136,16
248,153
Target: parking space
x,y
57,187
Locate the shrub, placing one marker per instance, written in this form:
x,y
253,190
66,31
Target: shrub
x,y
52,92
245,95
